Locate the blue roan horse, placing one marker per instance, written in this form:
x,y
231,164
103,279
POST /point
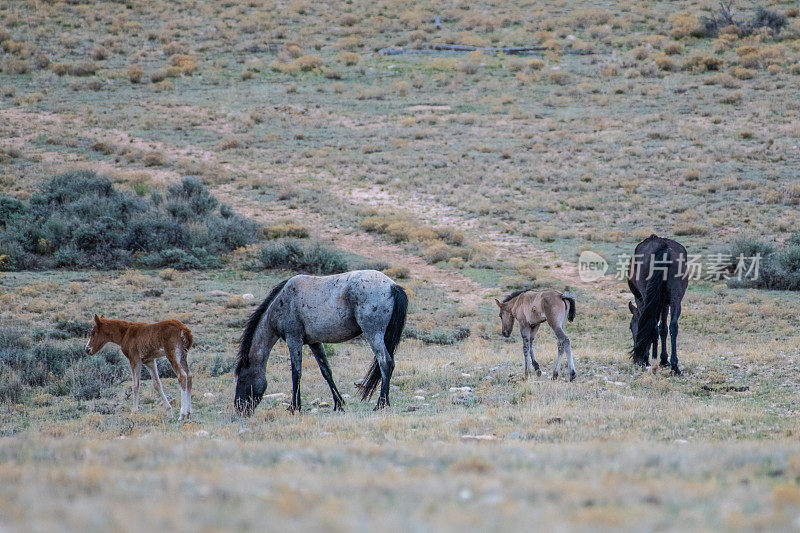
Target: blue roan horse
x,y
316,309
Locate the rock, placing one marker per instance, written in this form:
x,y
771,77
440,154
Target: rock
x,y
202,433
276,395
419,398
464,495
247,296
324,404
479,437
463,395
209,395
448,364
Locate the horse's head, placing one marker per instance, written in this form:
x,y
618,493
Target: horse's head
x,y
506,317
99,336
634,319
250,387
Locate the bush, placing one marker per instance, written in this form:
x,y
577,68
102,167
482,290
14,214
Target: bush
x,y
439,335
779,269
291,255
79,220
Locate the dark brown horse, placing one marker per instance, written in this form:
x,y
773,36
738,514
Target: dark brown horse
x,y
658,277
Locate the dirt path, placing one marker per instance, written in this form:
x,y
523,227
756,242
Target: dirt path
x,y
458,286
427,209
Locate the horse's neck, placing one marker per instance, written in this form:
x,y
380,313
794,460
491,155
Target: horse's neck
x,y
117,330
519,306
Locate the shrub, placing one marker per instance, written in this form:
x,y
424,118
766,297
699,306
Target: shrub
x,y
438,335
135,73
11,386
290,254
80,220
779,269
285,229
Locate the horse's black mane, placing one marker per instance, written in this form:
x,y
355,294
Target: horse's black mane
x,y
514,295
243,360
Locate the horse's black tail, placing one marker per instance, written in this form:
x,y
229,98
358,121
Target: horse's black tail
x,y
569,300
653,303
246,341
394,330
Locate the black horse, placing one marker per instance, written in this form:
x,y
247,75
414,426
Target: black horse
x,y
658,277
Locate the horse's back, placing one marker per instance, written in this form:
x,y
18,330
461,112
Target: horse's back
x,y
337,307
645,252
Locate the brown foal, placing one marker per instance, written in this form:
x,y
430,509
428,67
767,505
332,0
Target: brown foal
x,y
531,309
142,344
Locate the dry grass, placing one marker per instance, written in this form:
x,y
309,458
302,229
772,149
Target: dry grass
x,y
469,175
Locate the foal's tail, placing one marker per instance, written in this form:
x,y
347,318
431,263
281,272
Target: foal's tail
x,y
654,297
187,339
394,330
569,301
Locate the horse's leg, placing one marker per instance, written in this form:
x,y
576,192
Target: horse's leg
x,y
136,370
322,360
534,362
296,357
673,333
173,356
525,333
386,364
152,368
662,331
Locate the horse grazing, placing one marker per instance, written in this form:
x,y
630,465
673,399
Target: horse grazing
x,y
658,277
142,344
531,309
316,309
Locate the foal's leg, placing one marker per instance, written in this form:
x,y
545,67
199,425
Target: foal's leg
x,y
184,361
525,333
296,357
322,360
673,333
386,364
173,354
556,323
152,368
534,362
136,370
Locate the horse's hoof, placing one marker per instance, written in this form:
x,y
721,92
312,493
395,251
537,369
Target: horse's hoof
x,y
538,372
572,376
292,409
554,376
663,363
676,370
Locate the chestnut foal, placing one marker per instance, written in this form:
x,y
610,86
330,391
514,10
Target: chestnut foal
x,y
142,344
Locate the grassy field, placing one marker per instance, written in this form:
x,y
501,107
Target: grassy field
x,y
463,175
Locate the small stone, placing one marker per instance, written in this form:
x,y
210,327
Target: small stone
x,y
202,433
247,296
324,404
209,395
419,398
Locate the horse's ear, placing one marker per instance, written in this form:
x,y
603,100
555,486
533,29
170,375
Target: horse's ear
x,y
97,319
498,303
632,308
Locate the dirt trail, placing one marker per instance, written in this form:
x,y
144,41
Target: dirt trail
x,y
458,286
427,209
